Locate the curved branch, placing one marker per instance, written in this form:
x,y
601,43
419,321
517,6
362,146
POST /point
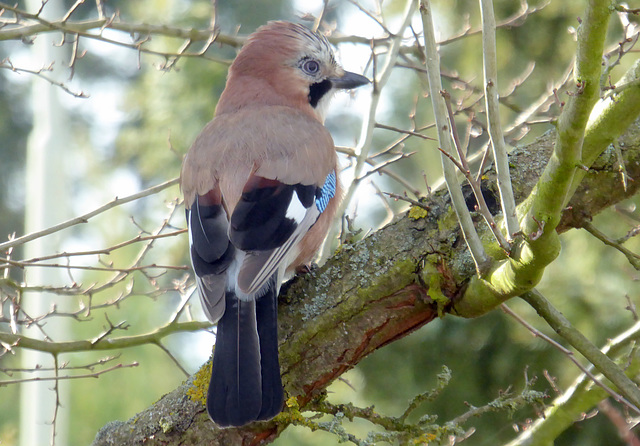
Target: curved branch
x,y
541,212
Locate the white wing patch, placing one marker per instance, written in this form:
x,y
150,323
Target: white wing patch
x,y
296,210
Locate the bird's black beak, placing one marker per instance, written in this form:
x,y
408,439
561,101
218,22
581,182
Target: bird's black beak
x,y
349,80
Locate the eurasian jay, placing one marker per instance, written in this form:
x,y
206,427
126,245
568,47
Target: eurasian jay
x,y
261,187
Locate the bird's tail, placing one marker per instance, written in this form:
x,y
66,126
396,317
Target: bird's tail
x,y
245,380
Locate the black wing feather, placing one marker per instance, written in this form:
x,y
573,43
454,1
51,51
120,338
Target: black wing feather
x,y
261,221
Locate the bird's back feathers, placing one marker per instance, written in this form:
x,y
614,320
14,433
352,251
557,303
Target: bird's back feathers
x,y
261,140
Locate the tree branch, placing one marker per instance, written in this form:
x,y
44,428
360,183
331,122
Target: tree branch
x,y
85,218
102,342
432,59
366,296
490,70
600,361
541,212
582,396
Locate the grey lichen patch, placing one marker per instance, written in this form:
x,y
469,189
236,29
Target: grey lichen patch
x,y
401,274
172,415
314,306
166,424
462,265
104,435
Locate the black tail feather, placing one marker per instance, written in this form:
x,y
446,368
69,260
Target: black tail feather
x,y
235,390
267,316
245,381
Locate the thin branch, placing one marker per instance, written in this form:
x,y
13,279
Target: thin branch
x,y
85,218
105,251
569,354
93,268
173,358
515,20
407,199
6,63
439,110
104,343
69,377
379,168
65,366
490,70
320,18
600,361
373,17
633,258
408,132
56,389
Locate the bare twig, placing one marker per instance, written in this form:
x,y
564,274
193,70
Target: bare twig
x,y
577,340
490,70
515,20
633,258
407,199
439,109
569,354
70,377
104,251
6,63
85,218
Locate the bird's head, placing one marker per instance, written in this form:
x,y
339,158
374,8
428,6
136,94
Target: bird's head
x,y
284,63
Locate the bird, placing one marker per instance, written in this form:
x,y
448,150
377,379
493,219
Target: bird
x,y
261,187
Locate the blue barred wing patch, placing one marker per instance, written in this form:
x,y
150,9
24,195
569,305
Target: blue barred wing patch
x,y
327,192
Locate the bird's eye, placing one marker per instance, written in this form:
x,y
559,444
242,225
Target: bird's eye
x,y
311,67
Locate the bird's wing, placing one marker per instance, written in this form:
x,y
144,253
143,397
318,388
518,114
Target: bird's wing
x,y
268,223
260,171
210,250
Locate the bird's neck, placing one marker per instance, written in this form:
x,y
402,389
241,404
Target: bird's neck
x,y
248,91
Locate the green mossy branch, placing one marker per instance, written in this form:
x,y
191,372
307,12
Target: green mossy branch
x,y
579,125
577,340
549,198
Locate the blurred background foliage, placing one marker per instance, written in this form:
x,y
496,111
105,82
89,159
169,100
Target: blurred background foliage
x,y
138,122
